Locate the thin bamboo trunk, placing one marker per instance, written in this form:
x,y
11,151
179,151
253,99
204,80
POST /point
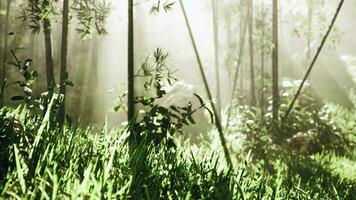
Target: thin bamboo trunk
x,y
130,64
2,77
290,108
49,53
64,55
32,40
242,84
1,40
275,82
5,47
239,66
310,23
251,51
215,7
215,112
262,101
241,39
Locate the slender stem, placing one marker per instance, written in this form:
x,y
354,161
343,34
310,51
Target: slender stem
x,y
16,59
130,63
215,7
5,47
310,23
217,120
262,104
49,51
64,54
238,67
1,49
275,73
241,35
251,52
290,108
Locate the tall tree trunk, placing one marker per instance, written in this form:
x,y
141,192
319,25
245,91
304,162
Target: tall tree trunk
x,y
5,48
64,54
275,88
262,101
251,51
1,39
315,58
242,40
310,23
32,40
215,8
93,84
242,84
201,69
1,61
130,64
48,48
239,69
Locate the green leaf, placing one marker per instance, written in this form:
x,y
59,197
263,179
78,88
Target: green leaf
x,y
19,171
190,118
117,108
200,99
211,114
69,83
175,108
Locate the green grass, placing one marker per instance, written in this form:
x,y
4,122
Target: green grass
x,y
41,161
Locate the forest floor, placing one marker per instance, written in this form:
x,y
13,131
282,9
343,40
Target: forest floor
x,y
41,161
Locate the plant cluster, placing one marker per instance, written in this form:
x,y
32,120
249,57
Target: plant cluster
x,y
158,6
309,130
37,103
78,163
89,13
155,121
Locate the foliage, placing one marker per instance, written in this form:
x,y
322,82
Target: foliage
x,y
76,163
307,156
345,118
89,13
310,129
155,121
35,11
37,103
313,23
158,6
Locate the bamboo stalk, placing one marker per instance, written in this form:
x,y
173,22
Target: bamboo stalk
x,y
130,64
262,61
251,52
5,47
275,63
64,56
215,7
217,120
239,62
290,108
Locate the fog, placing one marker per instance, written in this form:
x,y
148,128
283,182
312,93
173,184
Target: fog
x,y
168,31
333,74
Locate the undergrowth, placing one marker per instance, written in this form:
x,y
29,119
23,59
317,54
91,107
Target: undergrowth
x,y
308,156
39,161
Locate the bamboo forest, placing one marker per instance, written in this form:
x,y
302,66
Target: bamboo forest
x,y
178,99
